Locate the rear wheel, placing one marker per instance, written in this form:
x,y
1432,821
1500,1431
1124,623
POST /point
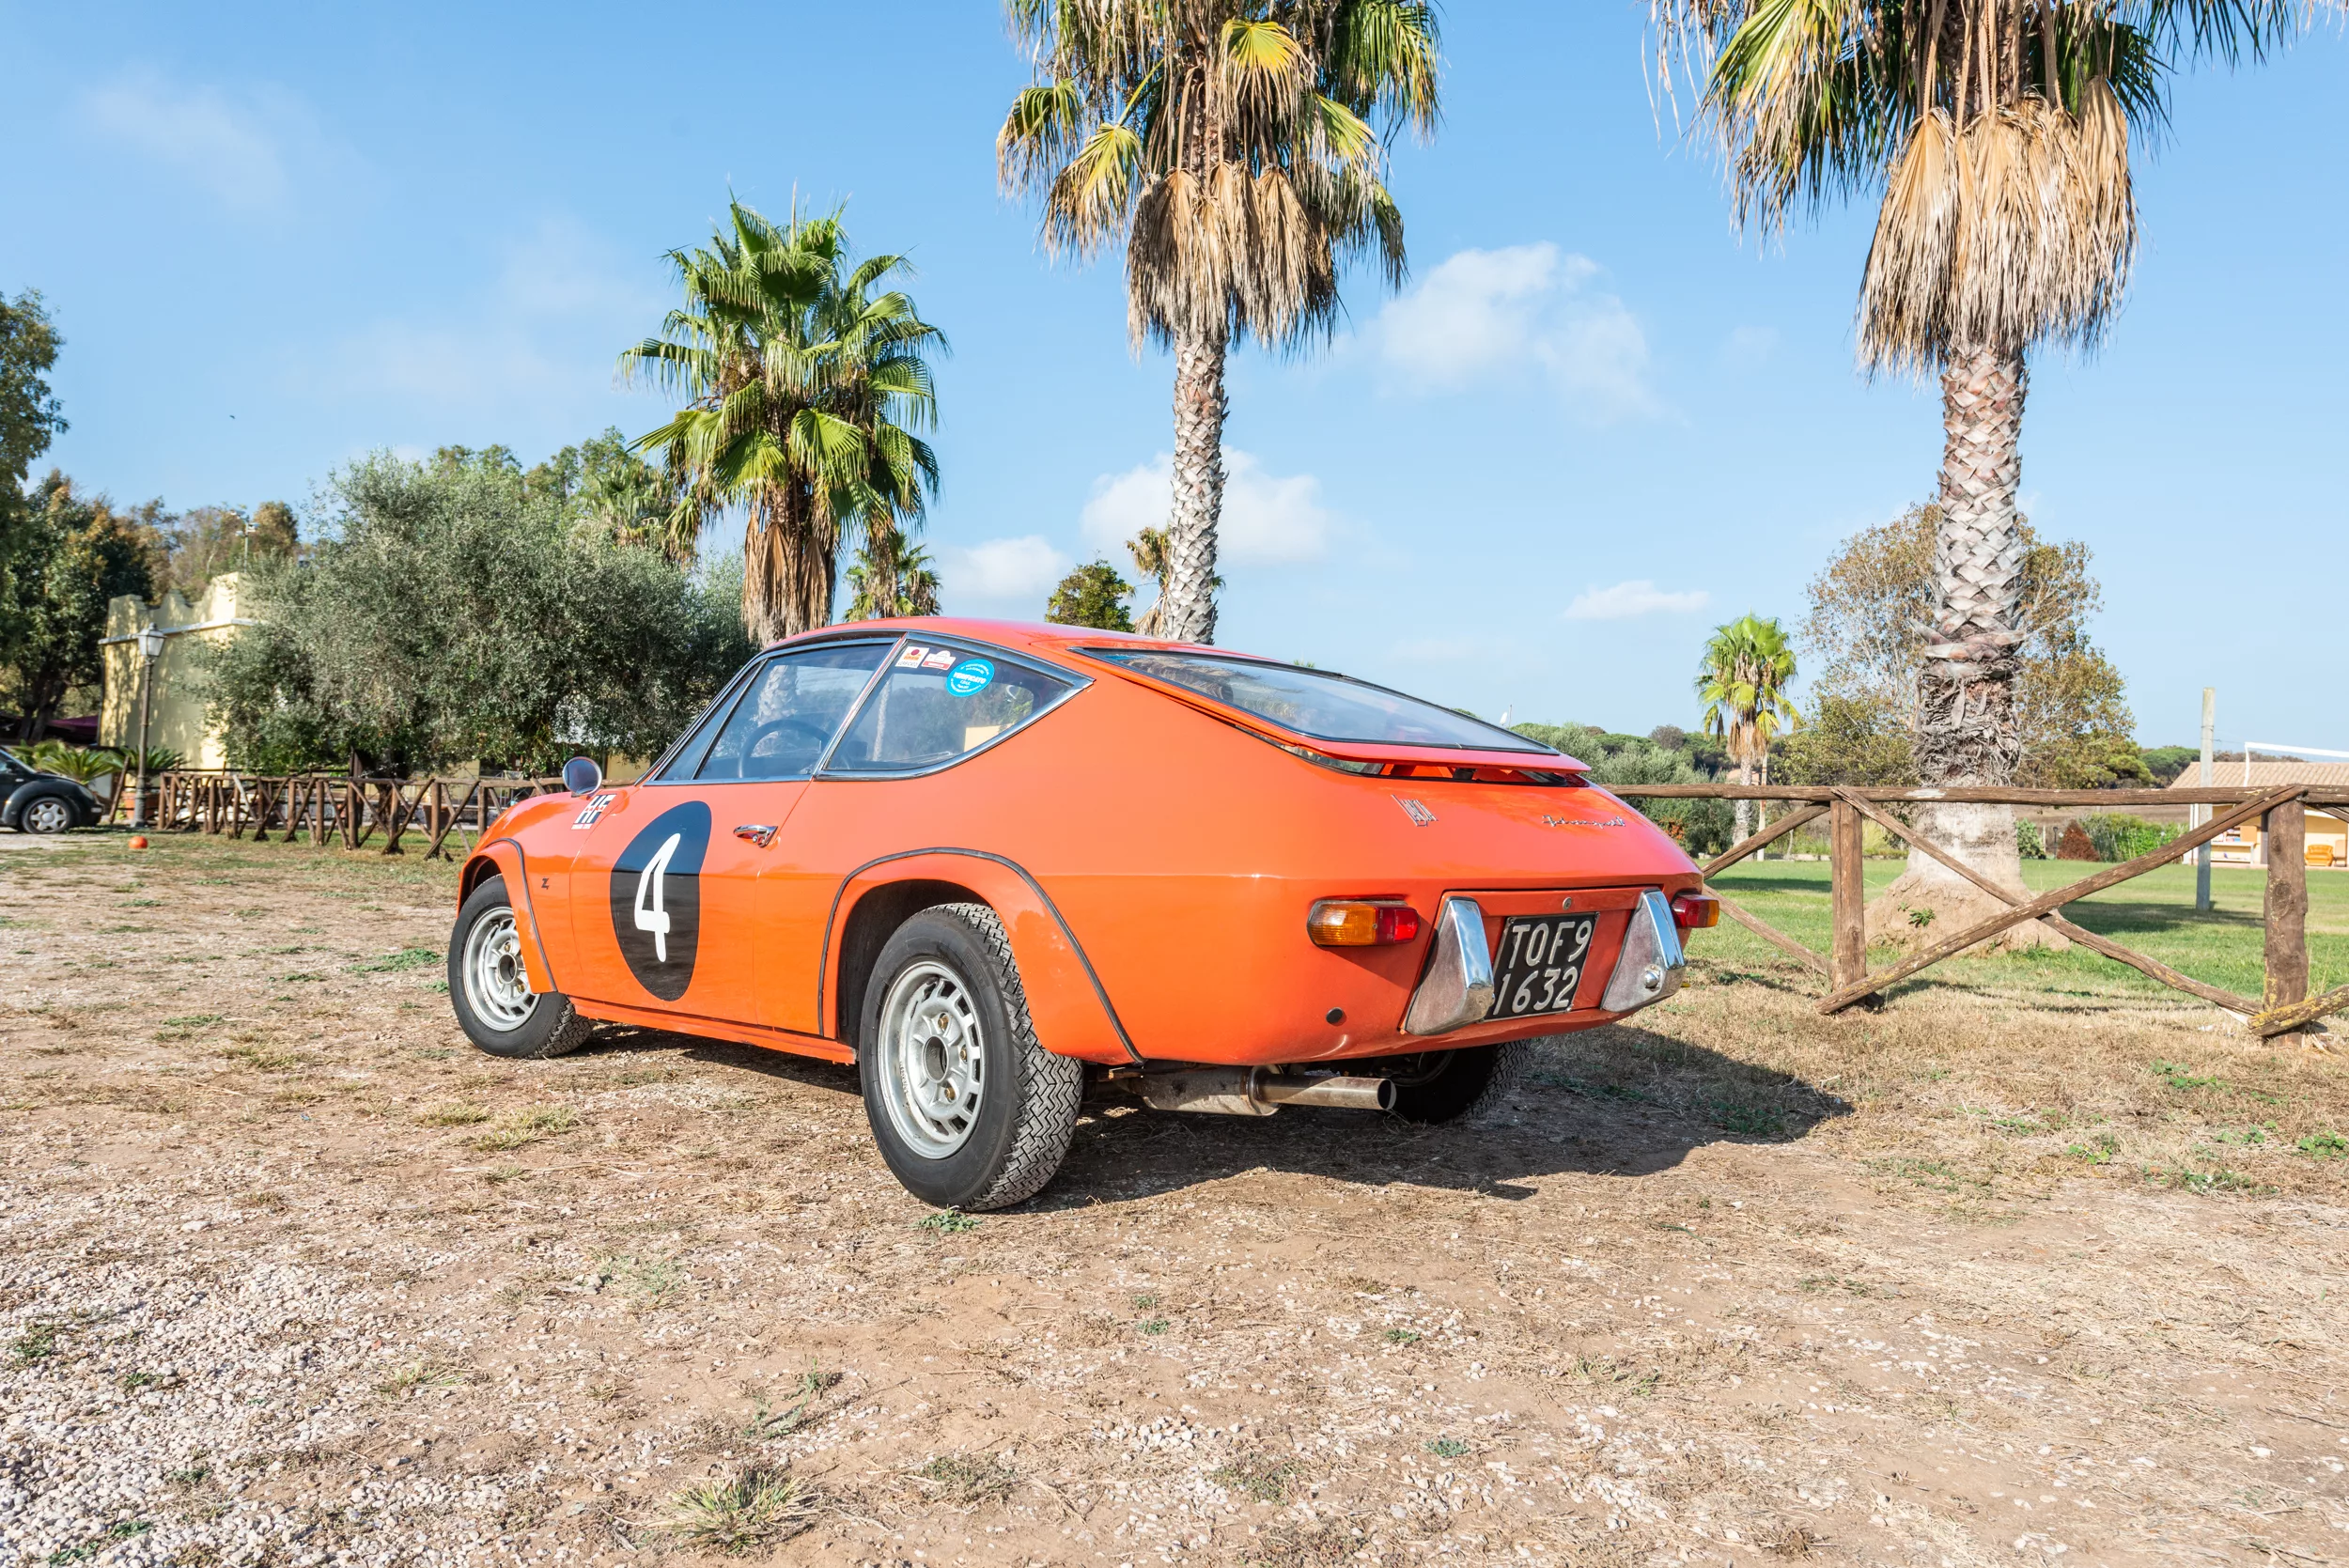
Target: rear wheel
x,y
50,814
1455,1085
969,1111
490,988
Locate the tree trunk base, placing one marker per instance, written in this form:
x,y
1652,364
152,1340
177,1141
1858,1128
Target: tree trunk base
x,y
1914,911
1930,901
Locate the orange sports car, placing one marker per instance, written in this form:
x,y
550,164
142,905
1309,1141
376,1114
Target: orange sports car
x,y
995,864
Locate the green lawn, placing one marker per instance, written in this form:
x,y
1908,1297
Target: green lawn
x,y
2154,913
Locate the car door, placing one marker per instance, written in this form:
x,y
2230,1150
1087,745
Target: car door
x,y
937,704
665,908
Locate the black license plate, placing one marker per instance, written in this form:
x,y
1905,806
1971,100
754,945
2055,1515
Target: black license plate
x,y
1538,966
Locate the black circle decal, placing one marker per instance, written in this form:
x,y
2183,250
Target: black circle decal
x,y
657,899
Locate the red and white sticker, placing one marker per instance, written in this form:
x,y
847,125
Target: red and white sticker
x,y
911,657
938,659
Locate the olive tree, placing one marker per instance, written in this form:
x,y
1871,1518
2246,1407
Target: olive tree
x,y
449,613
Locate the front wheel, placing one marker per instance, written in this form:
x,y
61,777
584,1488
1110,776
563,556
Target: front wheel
x,y
491,990
969,1110
1434,1086
50,814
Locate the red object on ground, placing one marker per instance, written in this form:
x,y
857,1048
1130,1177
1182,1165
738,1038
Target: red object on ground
x,y
138,841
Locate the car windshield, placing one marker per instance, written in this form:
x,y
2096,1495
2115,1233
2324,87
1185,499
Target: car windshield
x,y
1319,703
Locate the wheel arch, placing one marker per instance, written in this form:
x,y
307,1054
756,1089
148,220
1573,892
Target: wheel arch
x,y
503,858
1071,1012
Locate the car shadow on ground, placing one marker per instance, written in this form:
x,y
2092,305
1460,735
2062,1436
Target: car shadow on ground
x,y
1570,1116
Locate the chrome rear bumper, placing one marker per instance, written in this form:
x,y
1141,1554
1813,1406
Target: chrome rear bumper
x,y
1457,988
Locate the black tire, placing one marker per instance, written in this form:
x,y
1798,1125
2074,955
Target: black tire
x,y
1027,1097
483,1003
1459,1085
49,812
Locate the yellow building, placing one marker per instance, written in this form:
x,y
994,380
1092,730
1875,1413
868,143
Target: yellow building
x,y
2327,826
176,716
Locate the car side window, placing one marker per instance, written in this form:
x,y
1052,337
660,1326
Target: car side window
x,y
789,713
940,702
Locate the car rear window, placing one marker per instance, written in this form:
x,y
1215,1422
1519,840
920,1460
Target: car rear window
x,y
1320,705
938,702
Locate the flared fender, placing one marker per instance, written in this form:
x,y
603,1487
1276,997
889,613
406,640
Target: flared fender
x,y
1070,1010
504,857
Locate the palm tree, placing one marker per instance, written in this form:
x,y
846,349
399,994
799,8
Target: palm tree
x,y
2001,133
1148,548
1236,148
803,390
890,578
1742,682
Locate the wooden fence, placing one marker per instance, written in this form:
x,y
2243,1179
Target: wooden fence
x,y
2283,1014
329,808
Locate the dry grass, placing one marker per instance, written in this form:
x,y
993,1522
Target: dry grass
x,y
1830,1284
753,1509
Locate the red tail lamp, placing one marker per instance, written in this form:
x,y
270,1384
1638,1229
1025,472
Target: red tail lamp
x,y
1361,922
1693,910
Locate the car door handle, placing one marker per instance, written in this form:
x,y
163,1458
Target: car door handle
x,y
759,833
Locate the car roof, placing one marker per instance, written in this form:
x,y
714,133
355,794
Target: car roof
x,y
1018,636
1038,637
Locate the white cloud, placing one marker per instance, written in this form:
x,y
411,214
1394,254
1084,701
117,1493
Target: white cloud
x,y
1523,309
1748,347
1019,572
539,337
562,268
1627,601
1268,520
233,150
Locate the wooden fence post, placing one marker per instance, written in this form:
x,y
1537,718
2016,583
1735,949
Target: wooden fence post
x,y
1850,895
2285,838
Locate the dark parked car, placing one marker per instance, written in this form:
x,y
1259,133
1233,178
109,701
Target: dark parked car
x,y
38,802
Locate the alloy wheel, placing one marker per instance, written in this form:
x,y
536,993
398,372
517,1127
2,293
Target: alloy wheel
x,y
933,1059
496,985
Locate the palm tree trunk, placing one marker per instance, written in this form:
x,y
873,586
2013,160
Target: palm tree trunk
x,y
766,577
1188,590
1965,728
1965,731
1744,807
788,566
812,571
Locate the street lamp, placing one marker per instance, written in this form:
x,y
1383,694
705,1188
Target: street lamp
x,y
150,641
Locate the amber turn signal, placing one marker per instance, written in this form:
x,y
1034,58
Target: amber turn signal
x,y
1361,922
1694,911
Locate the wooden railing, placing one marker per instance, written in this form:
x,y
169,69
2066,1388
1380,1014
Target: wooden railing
x,y
2283,1014
329,808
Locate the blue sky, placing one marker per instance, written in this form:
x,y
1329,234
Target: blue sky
x,y
1594,423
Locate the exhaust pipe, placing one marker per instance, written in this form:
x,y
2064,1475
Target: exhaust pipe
x,y
1255,1092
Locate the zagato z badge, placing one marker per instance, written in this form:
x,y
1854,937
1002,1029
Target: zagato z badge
x,y
657,899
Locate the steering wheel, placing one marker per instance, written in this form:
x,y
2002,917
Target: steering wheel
x,y
812,743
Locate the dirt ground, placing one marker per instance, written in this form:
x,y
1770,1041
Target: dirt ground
x,y
289,1274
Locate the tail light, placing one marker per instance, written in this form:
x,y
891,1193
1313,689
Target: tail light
x,y
1693,910
1361,922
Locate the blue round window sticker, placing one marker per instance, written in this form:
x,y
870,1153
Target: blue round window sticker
x,y
969,677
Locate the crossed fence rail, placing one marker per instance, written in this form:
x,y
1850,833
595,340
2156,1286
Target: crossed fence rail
x,y
333,808
330,808
2283,1014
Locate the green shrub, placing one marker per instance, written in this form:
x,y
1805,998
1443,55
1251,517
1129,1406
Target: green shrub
x,y
2120,837
2029,842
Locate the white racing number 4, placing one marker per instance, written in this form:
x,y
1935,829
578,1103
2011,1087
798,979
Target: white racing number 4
x,y
654,916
